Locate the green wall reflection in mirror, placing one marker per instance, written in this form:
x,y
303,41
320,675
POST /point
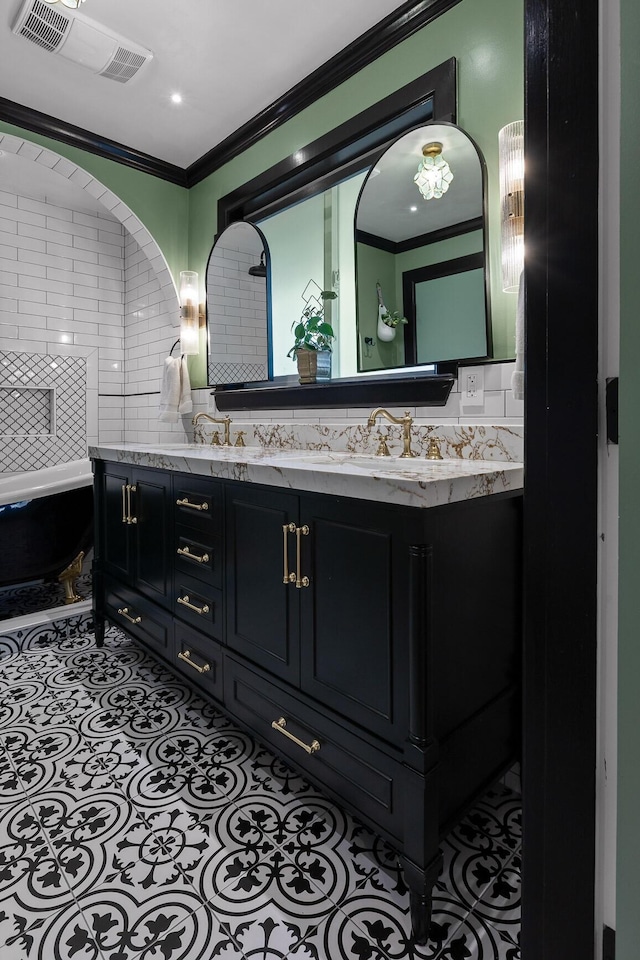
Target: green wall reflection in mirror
x,y
422,260
446,309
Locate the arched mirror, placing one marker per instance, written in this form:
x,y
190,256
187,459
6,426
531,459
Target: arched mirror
x,y
237,282
421,272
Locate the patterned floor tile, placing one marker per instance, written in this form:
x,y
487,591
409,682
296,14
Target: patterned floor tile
x,y
499,815
26,935
146,925
180,837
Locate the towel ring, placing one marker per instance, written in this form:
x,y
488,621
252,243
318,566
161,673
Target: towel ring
x,y
174,346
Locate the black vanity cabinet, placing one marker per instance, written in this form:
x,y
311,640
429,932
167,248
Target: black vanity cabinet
x,y
133,537
376,647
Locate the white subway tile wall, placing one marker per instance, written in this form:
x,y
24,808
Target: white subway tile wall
x,y
77,285
237,318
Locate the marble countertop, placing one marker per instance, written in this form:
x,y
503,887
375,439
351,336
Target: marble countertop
x,y
410,482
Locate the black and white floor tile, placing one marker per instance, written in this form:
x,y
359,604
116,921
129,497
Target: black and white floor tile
x,y
136,821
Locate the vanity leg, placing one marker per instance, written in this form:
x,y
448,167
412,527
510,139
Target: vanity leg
x,y
420,883
98,630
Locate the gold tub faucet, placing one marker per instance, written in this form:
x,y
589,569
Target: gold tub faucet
x,y
225,420
406,422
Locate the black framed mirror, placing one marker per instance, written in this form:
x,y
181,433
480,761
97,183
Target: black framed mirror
x,y
345,152
421,266
238,307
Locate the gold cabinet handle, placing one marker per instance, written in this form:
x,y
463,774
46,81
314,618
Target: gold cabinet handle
x,y
124,612
186,552
192,506
186,656
186,603
304,532
125,518
131,488
287,577
280,726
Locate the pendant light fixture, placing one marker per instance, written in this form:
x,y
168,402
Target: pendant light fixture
x,y
434,173
74,4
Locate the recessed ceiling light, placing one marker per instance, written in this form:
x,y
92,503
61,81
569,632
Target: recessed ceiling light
x,y
413,209
176,98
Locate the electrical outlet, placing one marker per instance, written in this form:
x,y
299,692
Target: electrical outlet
x,y
471,386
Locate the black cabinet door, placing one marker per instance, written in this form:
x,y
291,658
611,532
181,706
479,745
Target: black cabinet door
x,y
152,512
111,509
354,612
262,612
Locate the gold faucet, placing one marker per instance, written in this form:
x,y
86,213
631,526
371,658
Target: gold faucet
x,y
225,420
406,422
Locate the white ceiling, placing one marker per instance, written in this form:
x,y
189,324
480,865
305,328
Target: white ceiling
x,y
229,60
391,205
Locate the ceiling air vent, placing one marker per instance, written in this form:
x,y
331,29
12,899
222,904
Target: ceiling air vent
x,y
124,65
81,40
42,25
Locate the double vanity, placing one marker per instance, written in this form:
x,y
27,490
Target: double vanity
x,y
358,614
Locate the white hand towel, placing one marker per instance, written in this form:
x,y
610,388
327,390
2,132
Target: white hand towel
x,y
184,405
170,390
517,377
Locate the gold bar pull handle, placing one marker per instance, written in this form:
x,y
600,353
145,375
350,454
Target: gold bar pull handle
x,y
186,656
280,726
304,532
186,552
287,528
124,612
185,502
125,518
131,488
187,603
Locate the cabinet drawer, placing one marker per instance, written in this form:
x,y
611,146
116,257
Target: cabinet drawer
x,y
199,658
198,503
352,769
198,603
138,617
198,554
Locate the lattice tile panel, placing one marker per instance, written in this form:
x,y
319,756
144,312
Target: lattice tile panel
x,y
67,376
23,410
236,372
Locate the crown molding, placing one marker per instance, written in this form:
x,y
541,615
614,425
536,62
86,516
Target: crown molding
x,y
56,129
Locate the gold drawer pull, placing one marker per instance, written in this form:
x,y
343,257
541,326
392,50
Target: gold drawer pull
x,y
280,725
186,552
185,603
287,577
124,612
300,581
192,506
186,656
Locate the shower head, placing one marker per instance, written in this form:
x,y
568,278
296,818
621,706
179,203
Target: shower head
x,y
260,269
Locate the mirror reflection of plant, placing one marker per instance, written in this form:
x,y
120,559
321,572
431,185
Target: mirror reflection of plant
x,y
312,331
392,318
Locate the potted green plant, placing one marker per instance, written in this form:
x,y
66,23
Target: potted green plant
x,y
313,336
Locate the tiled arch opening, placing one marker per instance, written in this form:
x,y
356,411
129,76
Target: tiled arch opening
x,y
123,367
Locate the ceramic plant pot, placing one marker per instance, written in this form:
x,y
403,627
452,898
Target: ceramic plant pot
x,y
314,366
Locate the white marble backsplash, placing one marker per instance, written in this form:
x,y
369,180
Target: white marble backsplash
x,y
457,441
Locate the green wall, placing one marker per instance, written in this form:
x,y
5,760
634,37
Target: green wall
x,y
162,207
628,845
486,38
